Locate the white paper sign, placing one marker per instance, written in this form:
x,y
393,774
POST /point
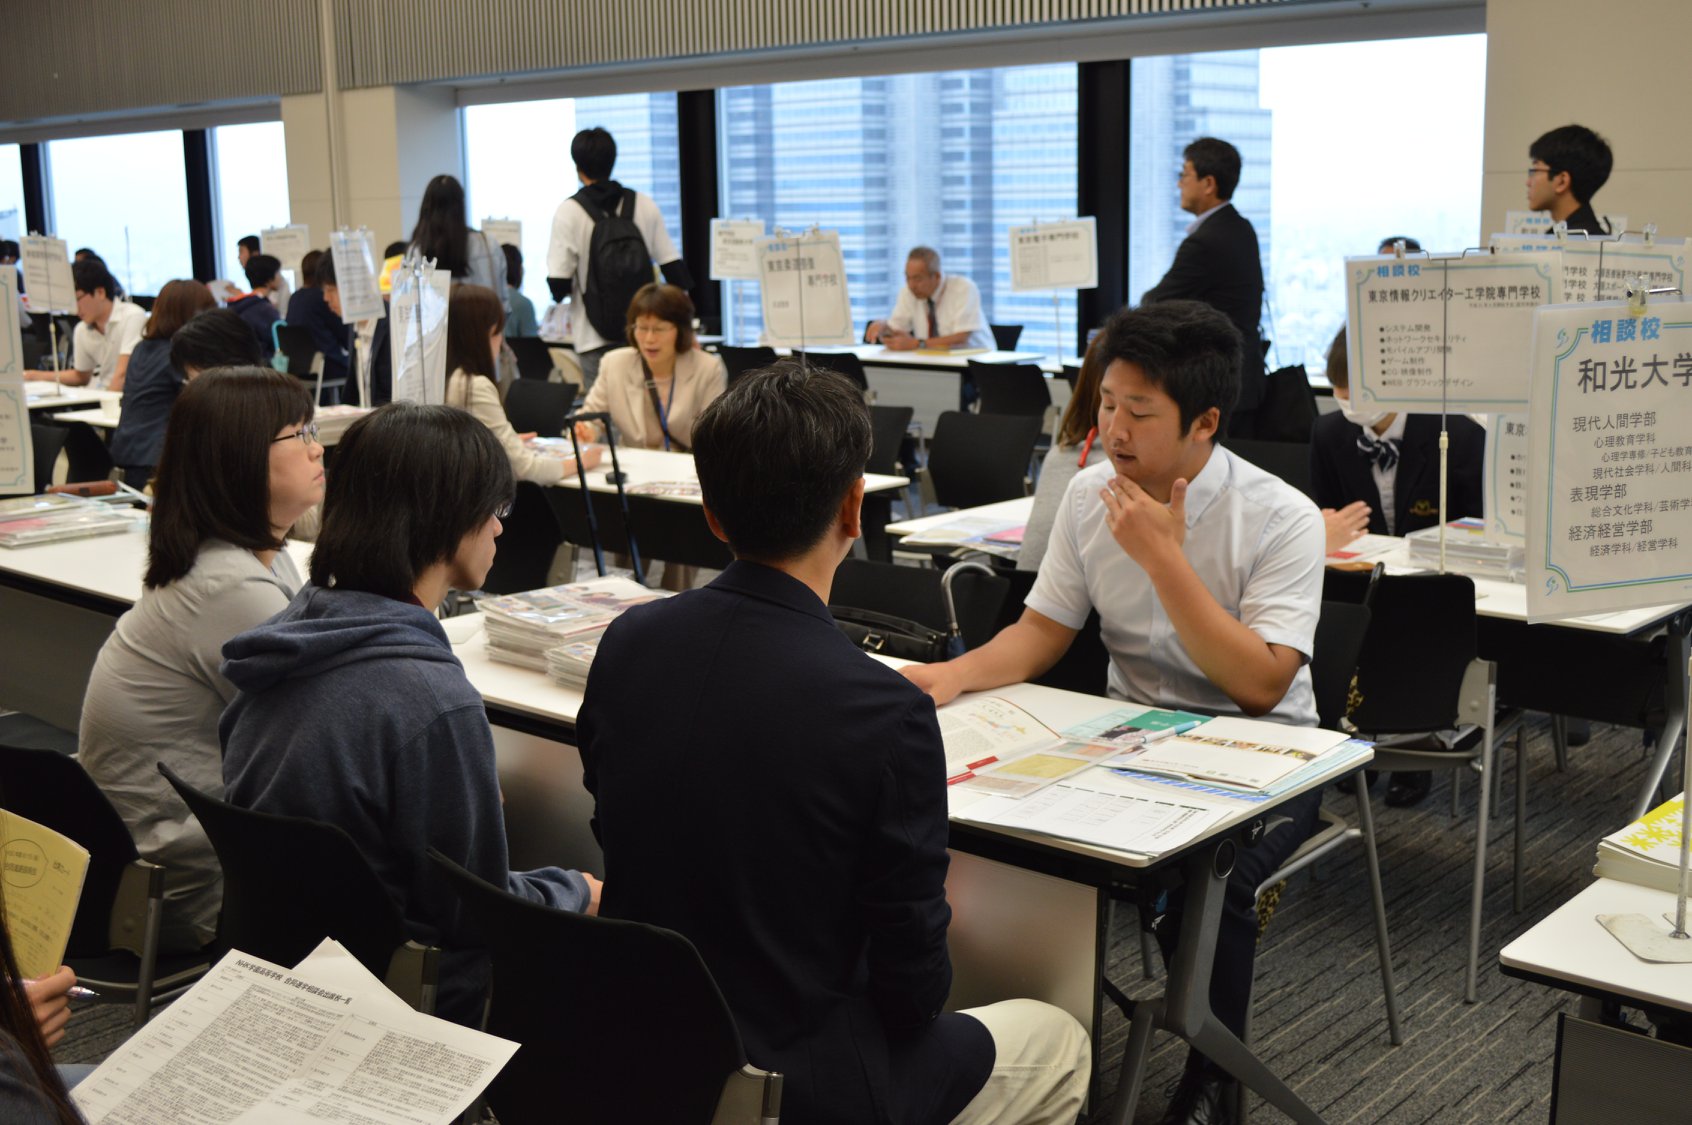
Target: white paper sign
x,y
734,249
417,326
1539,222
286,244
355,274
1610,459
506,232
1598,269
1061,255
1420,332
802,283
1506,495
47,273
17,456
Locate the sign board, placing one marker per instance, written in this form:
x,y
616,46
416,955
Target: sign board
x,y
1598,269
1422,333
1506,496
47,274
802,284
734,249
506,232
17,456
1539,222
355,274
286,244
417,326
1058,255
1610,459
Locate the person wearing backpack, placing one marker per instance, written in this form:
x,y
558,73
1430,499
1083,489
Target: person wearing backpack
x,y
605,239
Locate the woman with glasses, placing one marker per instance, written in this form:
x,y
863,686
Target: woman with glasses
x,y
475,333
352,708
240,464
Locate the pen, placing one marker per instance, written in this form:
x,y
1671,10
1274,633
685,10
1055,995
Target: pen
x,y
1170,732
77,992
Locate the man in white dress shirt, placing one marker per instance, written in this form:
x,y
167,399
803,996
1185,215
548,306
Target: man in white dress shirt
x,y
934,310
1207,575
108,332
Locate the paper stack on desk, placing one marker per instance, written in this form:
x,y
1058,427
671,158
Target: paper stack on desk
x,y
522,627
1467,549
49,519
1646,852
993,535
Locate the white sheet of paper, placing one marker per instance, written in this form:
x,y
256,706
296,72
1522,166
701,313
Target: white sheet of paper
x,y
47,273
506,232
17,452
1093,808
734,249
255,1042
1058,255
417,325
287,244
1506,496
802,283
1235,752
1610,459
355,274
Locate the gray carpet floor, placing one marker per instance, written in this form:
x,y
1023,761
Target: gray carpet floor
x,y
1319,1018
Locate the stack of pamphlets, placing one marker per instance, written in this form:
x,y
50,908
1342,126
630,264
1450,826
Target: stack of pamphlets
x,y
1467,550
568,664
1646,852
26,520
989,534
521,628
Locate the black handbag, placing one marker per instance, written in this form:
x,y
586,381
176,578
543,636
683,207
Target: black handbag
x,y
885,635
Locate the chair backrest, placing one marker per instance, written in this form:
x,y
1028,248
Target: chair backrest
x,y
289,882
847,363
976,459
526,547
534,359
533,405
1011,388
1420,641
888,426
87,456
619,1021
143,302
914,593
1289,460
54,790
739,361
1340,633
48,442
295,342
1085,665
1005,336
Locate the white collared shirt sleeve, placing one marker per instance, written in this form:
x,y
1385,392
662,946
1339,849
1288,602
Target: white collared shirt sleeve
x,y
127,333
959,310
1283,596
1060,587
904,316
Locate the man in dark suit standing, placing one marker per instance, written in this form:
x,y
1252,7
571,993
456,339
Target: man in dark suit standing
x,y
1218,263
774,794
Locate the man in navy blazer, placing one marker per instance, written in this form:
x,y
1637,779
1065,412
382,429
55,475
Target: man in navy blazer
x,y
1218,263
779,797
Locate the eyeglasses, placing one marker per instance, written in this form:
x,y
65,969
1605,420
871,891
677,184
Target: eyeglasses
x,y
306,433
503,512
1534,171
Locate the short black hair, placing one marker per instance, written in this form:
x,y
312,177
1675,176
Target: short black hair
x,y
777,453
262,269
595,153
410,482
326,269
1211,157
8,248
1411,245
1339,367
215,338
91,274
513,264
85,252
213,480
394,249
250,242
1580,152
1186,348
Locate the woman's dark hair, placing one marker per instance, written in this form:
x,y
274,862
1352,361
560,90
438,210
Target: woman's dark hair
x,y
410,483
776,454
1339,368
213,480
666,302
214,338
18,1018
308,268
177,303
473,315
1082,413
1185,348
441,232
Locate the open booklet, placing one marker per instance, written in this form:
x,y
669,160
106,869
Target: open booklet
x,y
995,535
44,874
324,1041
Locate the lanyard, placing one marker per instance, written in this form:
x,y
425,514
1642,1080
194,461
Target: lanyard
x,y
662,409
1087,446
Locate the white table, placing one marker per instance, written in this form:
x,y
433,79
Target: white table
x,y
97,417
1006,513
656,466
1568,949
56,396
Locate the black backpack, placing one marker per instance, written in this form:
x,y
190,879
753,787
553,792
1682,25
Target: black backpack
x,y
618,265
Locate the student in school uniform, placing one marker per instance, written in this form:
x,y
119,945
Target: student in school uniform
x,y
1567,166
1206,573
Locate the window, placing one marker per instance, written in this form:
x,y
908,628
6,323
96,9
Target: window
x,y
863,156
518,166
126,198
11,193
1335,158
251,165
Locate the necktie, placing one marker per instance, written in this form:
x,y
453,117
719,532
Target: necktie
x,y
1377,451
933,325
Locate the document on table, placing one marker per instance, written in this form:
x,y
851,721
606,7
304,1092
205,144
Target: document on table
x,y
1100,808
964,529
1229,752
984,729
325,1041
44,872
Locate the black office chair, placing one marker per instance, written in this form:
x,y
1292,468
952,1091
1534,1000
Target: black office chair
x,y
47,442
142,302
535,406
115,939
741,360
528,544
619,1019
976,459
289,882
296,346
846,363
1005,336
1289,460
86,453
916,593
890,445
1011,388
534,357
